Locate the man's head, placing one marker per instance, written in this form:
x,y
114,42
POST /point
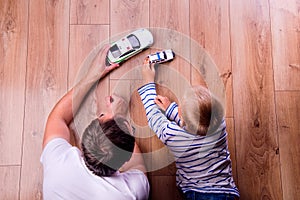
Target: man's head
x,y
107,145
113,105
202,113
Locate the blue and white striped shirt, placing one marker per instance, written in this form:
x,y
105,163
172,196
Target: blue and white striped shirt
x,y
203,162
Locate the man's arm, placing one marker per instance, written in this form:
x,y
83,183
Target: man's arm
x,y
63,112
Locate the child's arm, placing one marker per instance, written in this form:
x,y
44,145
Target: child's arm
x,y
157,121
170,109
172,135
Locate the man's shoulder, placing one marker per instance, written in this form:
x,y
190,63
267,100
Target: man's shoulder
x,y
56,149
137,182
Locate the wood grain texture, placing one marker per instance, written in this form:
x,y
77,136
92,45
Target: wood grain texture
x,y
285,24
89,12
262,38
46,82
209,26
127,89
83,39
170,22
254,113
126,16
9,186
171,28
164,187
288,115
13,52
231,147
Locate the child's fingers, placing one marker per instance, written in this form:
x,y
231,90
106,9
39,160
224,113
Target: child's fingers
x,y
159,98
152,68
146,61
162,98
158,102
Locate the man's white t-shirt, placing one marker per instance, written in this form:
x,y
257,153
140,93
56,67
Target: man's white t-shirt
x,y
67,177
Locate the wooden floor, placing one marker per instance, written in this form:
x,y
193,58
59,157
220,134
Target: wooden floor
x,y
255,45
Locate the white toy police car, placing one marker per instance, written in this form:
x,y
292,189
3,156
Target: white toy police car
x,y
129,46
161,56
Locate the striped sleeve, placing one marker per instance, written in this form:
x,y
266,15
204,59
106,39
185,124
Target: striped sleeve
x,y
172,113
157,121
172,135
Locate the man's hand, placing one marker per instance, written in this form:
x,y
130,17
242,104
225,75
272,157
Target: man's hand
x,y
148,72
98,67
162,102
63,112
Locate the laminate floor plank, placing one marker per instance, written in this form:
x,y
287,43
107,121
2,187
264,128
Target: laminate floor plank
x,y
9,176
285,25
46,83
127,16
210,27
288,115
89,11
250,47
169,190
13,53
258,164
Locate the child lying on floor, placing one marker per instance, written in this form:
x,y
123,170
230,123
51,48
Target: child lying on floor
x,y
197,137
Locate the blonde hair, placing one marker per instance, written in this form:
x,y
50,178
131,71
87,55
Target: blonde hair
x,y
202,113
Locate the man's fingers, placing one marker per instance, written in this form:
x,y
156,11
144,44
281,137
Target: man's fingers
x,y
114,65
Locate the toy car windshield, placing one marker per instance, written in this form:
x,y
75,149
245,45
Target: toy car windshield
x,y
135,43
115,51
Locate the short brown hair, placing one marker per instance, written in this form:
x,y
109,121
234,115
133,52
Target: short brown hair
x,y
107,146
201,111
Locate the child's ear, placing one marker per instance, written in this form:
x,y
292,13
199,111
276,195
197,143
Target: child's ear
x,y
182,123
179,111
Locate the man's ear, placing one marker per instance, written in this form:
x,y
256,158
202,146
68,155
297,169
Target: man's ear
x,y
129,127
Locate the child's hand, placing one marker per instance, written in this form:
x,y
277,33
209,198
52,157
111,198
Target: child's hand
x,y
148,72
162,102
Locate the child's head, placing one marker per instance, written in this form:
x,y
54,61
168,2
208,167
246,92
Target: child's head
x,y
202,113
